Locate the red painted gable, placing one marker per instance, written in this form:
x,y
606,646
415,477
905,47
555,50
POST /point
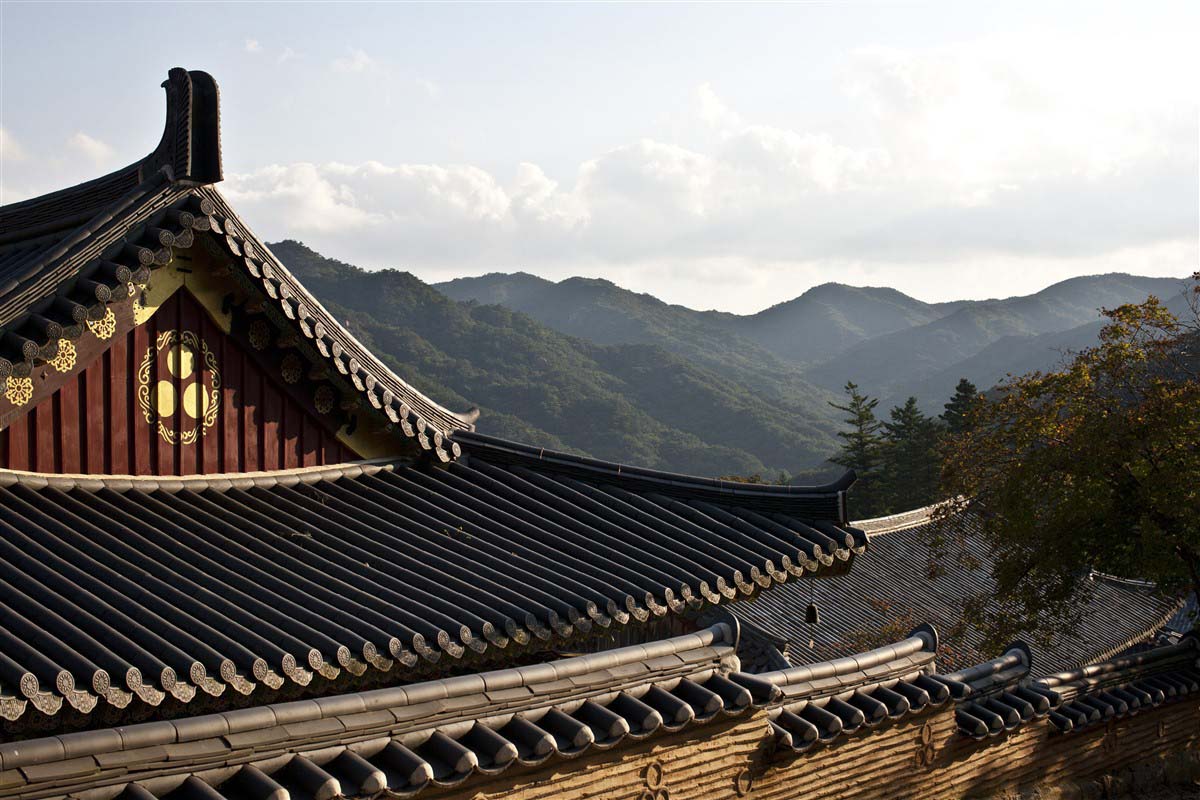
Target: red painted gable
x,y
174,396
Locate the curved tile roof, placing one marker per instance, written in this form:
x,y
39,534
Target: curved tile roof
x,y
996,696
120,590
820,703
894,584
65,255
401,740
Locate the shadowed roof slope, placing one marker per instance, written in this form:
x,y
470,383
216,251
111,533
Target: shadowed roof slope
x,y
894,584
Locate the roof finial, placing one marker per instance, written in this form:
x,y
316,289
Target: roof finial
x,y
191,142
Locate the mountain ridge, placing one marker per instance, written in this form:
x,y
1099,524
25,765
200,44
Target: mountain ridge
x,y
878,337
893,366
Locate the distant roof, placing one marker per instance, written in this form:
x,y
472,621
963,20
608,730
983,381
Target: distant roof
x,y
892,583
130,592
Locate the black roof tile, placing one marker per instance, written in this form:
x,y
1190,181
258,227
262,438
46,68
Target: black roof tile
x,y
62,256
168,591
473,734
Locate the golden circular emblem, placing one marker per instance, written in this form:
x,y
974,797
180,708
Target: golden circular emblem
x,y
105,327
260,334
179,374
292,368
19,391
324,399
64,361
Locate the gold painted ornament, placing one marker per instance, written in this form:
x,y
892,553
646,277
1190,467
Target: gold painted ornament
x,y
292,368
185,398
106,327
19,391
260,334
64,361
324,399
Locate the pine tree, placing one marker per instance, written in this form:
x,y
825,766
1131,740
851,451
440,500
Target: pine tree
x,y
861,450
910,467
957,413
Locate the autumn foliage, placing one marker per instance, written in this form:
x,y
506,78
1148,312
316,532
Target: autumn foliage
x,y
1091,468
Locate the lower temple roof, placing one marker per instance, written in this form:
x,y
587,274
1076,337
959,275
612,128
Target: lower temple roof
x,y
121,594
402,741
893,587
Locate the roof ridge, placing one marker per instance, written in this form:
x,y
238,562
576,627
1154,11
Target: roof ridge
x,y
548,457
280,271
901,520
69,247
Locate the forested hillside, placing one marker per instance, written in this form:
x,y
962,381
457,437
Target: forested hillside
x,y
587,366
634,403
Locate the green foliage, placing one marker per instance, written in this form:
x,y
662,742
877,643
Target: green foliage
x,y
781,480
958,410
1094,466
910,466
633,403
862,449
603,313
897,461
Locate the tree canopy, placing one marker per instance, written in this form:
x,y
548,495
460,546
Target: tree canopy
x,y
897,460
958,410
861,446
1091,468
910,457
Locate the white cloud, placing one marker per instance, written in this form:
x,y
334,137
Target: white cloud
x,y
713,111
98,152
430,88
287,54
355,61
10,149
252,46
966,170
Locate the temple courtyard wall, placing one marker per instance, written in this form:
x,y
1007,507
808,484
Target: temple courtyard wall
x,y
1152,754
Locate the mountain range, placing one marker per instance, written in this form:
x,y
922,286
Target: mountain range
x,y
892,345
586,366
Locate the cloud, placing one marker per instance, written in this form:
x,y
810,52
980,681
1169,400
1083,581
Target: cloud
x,y
430,88
287,54
356,61
252,46
713,111
965,170
10,149
96,151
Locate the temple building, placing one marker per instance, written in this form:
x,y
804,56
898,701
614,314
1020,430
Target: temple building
x,y
242,558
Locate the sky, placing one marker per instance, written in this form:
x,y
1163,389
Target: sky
x,y
717,156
